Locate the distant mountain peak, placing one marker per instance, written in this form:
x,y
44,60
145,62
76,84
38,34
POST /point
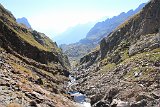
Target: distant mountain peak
x,y
103,28
23,21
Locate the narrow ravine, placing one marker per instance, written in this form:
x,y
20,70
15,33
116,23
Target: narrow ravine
x,y
77,96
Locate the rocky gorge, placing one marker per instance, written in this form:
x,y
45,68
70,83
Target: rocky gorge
x,y
123,71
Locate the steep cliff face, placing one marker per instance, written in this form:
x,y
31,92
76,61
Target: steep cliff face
x,y
32,68
126,70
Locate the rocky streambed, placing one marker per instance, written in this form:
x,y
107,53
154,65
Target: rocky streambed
x,y
77,96
119,88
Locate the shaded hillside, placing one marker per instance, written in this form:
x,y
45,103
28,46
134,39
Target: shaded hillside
x,y
125,71
26,42
32,68
95,35
23,21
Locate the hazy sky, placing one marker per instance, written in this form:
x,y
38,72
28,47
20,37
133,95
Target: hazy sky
x,y
55,16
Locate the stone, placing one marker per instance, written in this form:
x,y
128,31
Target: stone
x,y
142,97
119,103
156,95
141,103
39,81
136,74
101,104
123,104
157,63
113,92
1,62
33,103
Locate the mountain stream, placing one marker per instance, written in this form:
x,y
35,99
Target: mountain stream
x,y
77,96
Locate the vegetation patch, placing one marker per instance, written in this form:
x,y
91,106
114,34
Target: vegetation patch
x,y
108,67
21,69
142,65
124,55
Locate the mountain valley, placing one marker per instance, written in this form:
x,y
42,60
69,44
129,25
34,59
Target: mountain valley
x,y
116,65
100,30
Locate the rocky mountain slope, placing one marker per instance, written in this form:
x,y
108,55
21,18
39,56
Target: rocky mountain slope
x,y
125,70
32,68
94,36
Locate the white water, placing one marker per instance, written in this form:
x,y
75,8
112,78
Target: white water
x,y
78,97
85,104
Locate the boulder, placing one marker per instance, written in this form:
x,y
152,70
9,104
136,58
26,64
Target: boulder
x,y
141,103
33,103
111,94
119,103
101,104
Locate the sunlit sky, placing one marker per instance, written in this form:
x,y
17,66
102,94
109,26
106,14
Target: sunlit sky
x,y
55,16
